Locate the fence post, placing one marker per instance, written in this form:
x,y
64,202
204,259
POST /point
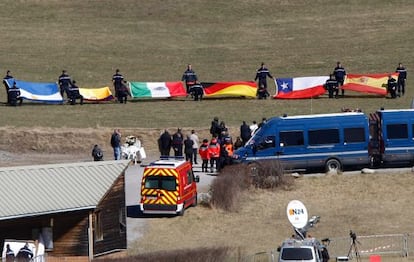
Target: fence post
x,y
405,245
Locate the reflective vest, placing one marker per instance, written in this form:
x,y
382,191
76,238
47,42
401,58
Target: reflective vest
x,y
214,149
229,149
204,151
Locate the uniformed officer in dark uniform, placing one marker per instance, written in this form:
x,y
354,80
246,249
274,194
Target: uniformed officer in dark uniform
x,y
117,79
64,83
262,73
73,94
197,91
340,73
189,77
402,76
123,93
7,76
392,86
14,95
332,86
25,253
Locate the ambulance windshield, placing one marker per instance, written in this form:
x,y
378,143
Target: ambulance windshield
x,y
161,182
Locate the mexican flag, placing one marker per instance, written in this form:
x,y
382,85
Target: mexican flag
x,y
157,89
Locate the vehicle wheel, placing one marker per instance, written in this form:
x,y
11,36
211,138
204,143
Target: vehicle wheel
x,y
195,202
181,213
333,165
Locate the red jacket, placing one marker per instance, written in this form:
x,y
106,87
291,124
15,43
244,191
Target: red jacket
x,y
204,152
214,148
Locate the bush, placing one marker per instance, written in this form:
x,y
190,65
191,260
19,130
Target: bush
x,y
233,180
227,187
270,175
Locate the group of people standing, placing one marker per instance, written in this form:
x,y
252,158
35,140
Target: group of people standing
x,y
336,81
214,153
181,146
195,89
395,87
24,254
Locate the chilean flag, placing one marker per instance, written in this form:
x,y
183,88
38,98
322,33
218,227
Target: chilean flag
x,y
300,87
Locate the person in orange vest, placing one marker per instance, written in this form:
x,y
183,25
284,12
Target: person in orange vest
x,y
226,153
204,154
214,153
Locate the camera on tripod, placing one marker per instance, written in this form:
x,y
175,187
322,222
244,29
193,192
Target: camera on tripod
x,y
352,235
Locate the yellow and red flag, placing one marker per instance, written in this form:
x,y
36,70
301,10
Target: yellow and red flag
x,y
96,94
368,83
230,89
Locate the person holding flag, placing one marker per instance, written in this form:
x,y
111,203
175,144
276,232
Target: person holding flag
x,y
340,73
262,74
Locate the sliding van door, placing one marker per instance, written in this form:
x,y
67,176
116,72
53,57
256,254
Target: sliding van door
x,y
292,150
355,151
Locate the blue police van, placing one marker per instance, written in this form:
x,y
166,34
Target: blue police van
x,y
323,141
392,137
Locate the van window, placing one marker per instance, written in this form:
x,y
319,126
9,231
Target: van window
x,y
291,138
397,131
161,182
297,254
190,177
266,142
323,136
354,134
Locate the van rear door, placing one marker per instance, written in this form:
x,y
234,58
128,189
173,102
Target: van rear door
x,y
159,193
398,144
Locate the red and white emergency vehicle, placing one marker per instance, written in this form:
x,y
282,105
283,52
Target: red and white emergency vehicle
x,y
168,187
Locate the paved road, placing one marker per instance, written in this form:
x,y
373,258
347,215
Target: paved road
x,y
135,222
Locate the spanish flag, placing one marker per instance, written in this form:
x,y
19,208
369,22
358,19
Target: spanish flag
x,y
368,83
230,89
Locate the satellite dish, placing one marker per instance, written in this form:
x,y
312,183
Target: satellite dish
x,y
297,214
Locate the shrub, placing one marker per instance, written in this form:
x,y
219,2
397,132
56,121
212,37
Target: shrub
x,y
270,175
234,179
227,187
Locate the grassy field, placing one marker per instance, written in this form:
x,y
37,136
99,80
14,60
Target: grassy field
x,y
154,40
225,41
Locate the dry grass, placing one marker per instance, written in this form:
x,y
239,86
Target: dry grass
x,y
154,40
344,202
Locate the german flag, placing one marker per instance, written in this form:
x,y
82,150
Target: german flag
x,y
230,89
368,83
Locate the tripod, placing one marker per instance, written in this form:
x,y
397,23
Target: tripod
x,y
353,249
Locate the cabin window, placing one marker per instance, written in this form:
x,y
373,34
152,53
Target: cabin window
x,y
354,134
323,137
161,182
397,131
98,226
291,138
